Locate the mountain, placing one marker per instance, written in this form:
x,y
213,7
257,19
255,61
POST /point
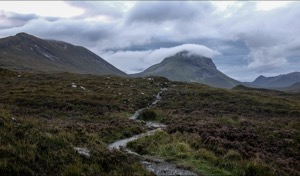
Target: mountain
x,y
188,67
29,53
254,89
277,81
292,88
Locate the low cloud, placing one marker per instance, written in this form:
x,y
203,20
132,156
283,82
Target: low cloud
x,y
136,61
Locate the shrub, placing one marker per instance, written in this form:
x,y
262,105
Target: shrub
x,y
206,155
255,169
148,115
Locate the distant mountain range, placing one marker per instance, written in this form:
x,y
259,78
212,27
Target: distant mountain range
x,y
292,88
25,52
185,66
29,53
280,81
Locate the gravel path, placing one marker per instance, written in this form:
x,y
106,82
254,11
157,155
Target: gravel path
x,y
154,165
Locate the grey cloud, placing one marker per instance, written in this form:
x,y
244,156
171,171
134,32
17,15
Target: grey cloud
x,y
73,31
16,16
160,11
11,19
51,19
79,33
271,36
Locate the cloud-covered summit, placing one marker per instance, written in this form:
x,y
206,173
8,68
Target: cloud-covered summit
x,y
124,32
146,58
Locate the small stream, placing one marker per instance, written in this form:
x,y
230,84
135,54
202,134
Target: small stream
x,y
152,164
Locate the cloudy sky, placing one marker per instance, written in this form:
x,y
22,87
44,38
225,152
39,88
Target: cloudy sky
x,y
245,39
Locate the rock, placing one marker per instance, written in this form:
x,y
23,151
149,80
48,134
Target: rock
x,y
83,152
74,85
83,88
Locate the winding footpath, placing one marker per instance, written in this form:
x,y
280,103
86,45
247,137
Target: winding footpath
x,y
152,164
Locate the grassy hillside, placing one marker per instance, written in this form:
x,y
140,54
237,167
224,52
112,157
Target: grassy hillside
x,y
43,118
227,132
61,124
28,53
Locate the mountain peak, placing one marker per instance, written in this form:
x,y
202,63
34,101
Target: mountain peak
x,y
191,67
282,80
27,52
260,77
188,57
23,35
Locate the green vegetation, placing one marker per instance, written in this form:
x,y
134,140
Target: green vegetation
x,y
44,118
227,132
152,115
30,147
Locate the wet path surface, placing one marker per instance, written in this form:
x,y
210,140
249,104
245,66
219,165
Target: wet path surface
x,y
154,165
123,142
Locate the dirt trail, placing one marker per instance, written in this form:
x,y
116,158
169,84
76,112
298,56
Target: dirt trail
x,y
154,165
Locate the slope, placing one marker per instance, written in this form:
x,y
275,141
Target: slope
x,y
29,53
188,67
284,80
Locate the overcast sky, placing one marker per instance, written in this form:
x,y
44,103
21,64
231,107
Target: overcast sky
x,y
245,39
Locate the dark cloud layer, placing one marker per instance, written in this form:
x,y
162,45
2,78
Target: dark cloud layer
x,y
11,19
162,11
250,42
